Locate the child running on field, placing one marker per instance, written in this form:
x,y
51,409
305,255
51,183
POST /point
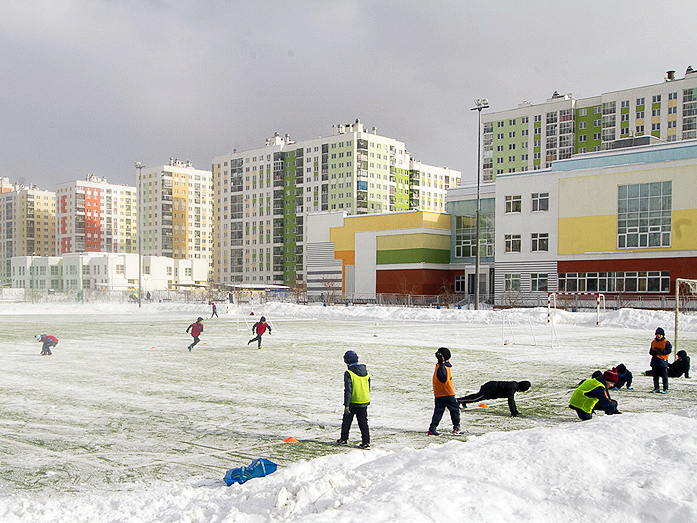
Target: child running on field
x,y
259,328
196,330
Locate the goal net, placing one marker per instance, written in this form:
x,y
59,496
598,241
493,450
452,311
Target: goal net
x,y
685,302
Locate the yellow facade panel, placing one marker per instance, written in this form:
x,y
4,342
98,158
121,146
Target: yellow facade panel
x,y
587,234
413,241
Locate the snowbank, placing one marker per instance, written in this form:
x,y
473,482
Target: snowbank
x,y
633,467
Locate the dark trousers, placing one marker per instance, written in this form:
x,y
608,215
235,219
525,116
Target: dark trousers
x,y
442,403
627,380
257,338
46,348
361,414
196,340
660,372
581,414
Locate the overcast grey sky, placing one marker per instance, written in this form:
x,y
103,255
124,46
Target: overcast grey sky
x,y
90,86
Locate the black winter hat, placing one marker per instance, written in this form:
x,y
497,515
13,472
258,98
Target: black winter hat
x,y
445,352
682,354
660,331
523,386
350,357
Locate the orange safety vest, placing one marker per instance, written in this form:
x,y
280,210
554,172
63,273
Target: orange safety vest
x,y
660,345
443,389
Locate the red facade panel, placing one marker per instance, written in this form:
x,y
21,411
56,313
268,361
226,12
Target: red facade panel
x,y
414,281
678,267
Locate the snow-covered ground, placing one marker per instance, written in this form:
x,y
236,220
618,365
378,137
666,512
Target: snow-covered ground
x,y
122,423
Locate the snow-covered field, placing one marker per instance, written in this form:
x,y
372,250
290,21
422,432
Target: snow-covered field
x,y
124,424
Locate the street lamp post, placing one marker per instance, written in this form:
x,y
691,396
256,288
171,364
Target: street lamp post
x,y
139,166
480,103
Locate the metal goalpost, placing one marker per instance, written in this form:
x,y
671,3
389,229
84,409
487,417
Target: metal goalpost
x,y
690,287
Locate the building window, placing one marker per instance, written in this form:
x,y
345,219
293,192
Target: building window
x,y
119,269
538,282
512,242
511,282
513,204
460,282
644,215
620,282
540,242
540,201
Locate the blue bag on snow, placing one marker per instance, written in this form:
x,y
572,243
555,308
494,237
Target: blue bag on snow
x,y
258,468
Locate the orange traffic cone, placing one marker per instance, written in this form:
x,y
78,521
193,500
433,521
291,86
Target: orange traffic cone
x,y
290,440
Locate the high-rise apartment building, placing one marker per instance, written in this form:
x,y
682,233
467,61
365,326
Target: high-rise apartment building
x,y
263,195
27,224
176,211
93,215
531,137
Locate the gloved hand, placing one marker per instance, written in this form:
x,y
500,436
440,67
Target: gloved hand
x,y
439,357
346,410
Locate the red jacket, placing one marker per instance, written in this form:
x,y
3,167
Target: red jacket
x,y
260,328
196,329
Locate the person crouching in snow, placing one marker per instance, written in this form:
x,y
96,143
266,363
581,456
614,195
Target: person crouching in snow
x,y
48,342
259,328
356,399
196,330
444,393
492,390
592,395
624,377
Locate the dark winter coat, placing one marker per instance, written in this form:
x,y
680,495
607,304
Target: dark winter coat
x,y
680,366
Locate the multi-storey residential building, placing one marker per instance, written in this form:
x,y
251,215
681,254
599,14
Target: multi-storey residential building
x,y
93,215
262,196
531,137
619,222
176,211
27,225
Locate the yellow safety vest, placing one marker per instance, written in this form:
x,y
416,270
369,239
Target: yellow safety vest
x,y
579,398
360,390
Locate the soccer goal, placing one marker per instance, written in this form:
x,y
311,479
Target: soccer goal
x,y
507,331
554,297
685,301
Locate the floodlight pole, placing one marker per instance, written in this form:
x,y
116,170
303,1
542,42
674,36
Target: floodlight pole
x,y
480,103
139,166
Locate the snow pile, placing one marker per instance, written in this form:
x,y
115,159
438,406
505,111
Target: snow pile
x,y
636,467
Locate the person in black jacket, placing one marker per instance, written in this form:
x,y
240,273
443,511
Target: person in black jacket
x,y
679,367
624,377
497,389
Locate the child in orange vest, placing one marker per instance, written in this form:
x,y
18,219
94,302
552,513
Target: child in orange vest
x,y
660,349
444,393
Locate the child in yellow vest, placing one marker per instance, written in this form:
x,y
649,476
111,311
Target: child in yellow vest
x,y
356,399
